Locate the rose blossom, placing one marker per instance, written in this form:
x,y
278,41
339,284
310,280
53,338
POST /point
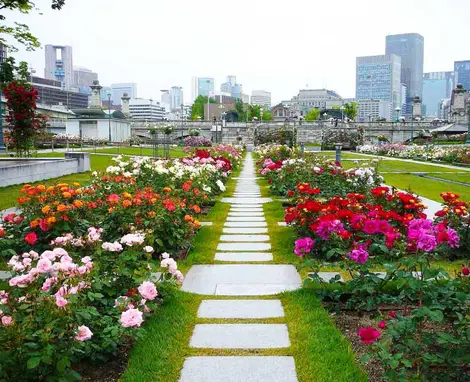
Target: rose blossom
x,y
112,247
131,318
84,333
359,255
304,246
148,249
7,321
382,324
61,302
370,227
368,335
148,290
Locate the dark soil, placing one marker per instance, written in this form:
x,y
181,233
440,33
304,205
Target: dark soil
x,y
349,323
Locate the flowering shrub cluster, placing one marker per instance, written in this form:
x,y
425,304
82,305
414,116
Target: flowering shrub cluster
x,y
84,259
196,141
438,153
360,227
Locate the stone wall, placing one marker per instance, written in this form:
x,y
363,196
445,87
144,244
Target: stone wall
x,y
18,170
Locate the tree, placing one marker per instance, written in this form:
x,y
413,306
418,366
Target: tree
x,y
240,108
312,115
350,109
267,116
197,110
21,32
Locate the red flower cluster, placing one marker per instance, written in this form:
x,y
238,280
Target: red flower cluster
x,y
202,154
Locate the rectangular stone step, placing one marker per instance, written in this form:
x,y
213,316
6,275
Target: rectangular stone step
x,y
247,206
240,309
253,209
246,214
246,224
245,230
243,257
253,289
246,200
239,369
246,219
240,336
244,246
244,238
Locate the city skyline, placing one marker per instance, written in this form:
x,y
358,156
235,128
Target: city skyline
x,y
169,65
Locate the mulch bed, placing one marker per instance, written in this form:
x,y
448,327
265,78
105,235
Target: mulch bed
x,y
349,323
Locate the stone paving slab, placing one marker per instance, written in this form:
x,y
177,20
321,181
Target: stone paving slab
x,y
246,219
247,177
246,206
243,256
240,336
282,224
254,289
239,369
246,224
327,276
244,238
246,214
203,279
242,246
5,275
206,224
246,200
245,230
254,209
240,309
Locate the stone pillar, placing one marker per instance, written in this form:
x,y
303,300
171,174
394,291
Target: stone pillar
x,y
416,113
83,160
458,112
125,104
95,101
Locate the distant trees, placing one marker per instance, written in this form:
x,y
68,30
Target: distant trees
x,y
197,110
350,110
312,115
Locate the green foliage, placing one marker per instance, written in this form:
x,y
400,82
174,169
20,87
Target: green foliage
x,y
312,115
21,32
350,110
197,110
350,138
285,135
241,110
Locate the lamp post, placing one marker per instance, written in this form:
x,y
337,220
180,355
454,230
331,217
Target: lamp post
x,y
467,141
109,119
342,113
2,146
397,110
338,147
181,124
370,119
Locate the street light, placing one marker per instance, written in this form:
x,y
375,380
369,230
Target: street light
x,y
109,119
397,110
338,147
342,112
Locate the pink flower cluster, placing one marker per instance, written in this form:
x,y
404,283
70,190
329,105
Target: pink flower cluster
x,y
112,247
303,246
327,228
425,236
133,239
359,255
168,262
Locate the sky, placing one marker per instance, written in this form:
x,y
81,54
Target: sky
x,y
279,46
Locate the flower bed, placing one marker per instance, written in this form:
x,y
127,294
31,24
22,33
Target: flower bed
x,y
386,250
91,264
457,155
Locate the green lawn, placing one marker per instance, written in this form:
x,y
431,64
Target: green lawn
x,y
462,177
8,195
175,152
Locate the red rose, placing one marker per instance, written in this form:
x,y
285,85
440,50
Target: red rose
x,y
382,324
392,314
465,271
31,238
368,335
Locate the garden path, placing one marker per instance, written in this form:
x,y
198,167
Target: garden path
x,y
233,323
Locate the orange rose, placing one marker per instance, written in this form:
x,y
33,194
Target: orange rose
x,y
61,208
167,189
151,213
78,203
76,184
51,220
41,187
188,218
197,224
66,194
34,223
197,209
127,195
45,210
62,185
126,203
21,199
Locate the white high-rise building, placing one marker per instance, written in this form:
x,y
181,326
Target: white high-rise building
x,y
261,97
143,109
371,109
176,98
59,64
117,90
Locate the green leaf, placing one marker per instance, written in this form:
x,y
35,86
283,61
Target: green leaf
x,y
33,362
62,364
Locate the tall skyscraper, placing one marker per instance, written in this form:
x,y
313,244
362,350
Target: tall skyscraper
x,y
83,78
176,98
59,64
378,78
3,53
261,97
462,73
117,90
436,87
410,47
205,86
231,86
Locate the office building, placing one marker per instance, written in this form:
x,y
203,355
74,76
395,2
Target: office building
x,y
462,73
308,99
261,97
143,109
231,86
205,86
50,92
436,87
193,88
373,109
176,98
117,90
245,98
3,53
378,78
59,64
410,48
83,78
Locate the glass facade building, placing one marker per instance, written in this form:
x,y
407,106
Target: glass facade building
x,y
462,73
378,78
410,47
205,86
437,86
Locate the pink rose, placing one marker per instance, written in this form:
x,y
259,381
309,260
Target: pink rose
x,y
131,318
86,259
368,335
84,333
61,302
7,321
44,265
148,290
